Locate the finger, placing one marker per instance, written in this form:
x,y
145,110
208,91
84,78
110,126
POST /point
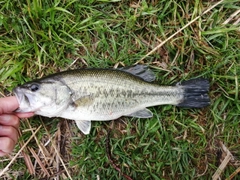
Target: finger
x,y
9,120
6,145
2,153
9,132
8,104
25,115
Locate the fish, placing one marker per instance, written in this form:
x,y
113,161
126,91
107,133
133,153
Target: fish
x,y
95,94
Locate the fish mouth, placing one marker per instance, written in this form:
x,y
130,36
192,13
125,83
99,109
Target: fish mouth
x,y
21,98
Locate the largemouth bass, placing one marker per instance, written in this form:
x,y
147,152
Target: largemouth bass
x,y
86,95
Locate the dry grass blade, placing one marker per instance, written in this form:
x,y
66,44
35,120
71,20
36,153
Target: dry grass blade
x,y
115,166
40,147
15,157
232,16
27,158
58,149
234,174
58,154
173,35
224,163
39,162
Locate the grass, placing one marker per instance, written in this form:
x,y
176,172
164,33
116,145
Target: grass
x,y
40,37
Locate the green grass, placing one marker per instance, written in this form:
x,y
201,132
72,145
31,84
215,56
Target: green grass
x,y
38,38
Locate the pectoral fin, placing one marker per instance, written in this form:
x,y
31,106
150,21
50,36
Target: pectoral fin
x,y
83,101
84,126
144,113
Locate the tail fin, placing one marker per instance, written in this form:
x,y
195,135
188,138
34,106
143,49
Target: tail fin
x,y
195,93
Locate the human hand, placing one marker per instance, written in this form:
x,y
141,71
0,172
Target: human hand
x,y
9,124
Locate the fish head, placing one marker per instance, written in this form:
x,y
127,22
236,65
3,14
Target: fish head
x,y
45,97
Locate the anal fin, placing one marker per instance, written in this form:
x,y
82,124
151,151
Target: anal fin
x,y
84,126
143,113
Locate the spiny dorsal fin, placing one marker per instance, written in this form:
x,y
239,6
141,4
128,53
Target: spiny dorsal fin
x,y
141,71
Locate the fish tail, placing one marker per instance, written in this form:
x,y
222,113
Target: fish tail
x,y
195,93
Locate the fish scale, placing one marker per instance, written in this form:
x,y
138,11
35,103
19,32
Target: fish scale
x,y
108,97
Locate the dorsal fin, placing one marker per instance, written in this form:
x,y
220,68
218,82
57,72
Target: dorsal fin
x,y
141,71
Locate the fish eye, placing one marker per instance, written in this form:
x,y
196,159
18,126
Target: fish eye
x,y
34,87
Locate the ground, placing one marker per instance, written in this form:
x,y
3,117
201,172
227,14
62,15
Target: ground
x,y
178,40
